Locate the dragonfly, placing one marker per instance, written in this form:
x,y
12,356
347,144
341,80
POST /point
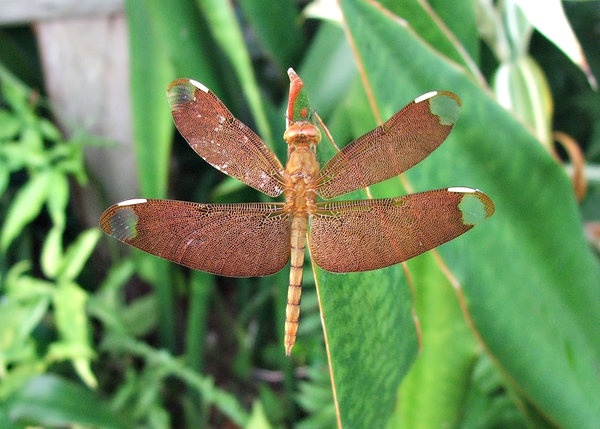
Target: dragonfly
x,y
259,239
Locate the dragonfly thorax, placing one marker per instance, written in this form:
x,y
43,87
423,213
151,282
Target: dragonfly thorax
x,y
300,176
300,198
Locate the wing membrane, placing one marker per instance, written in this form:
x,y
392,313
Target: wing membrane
x,y
401,142
238,240
222,140
348,236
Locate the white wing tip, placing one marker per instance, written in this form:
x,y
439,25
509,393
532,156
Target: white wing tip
x,y
198,85
462,190
426,96
132,202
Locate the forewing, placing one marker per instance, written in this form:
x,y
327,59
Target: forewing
x,y
222,140
237,240
348,236
401,142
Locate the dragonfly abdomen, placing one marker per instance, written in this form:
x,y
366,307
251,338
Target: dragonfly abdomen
x,y
292,311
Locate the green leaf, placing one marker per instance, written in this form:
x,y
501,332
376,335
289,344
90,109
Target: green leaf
x,y
52,251
433,393
268,18
28,287
24,287
9,125
201,291
20,373
18,318
14,92
167,364
49,130
328,51
461,18
186,39
371,340
69,158
72,324
25,207
226,30
140,316
549,19
158,272
316,399
258,419
32,140
52,401
4,177
57,205
117,277
522,88
14,156
78,253
51,258
424,23
106,306
151,72
530,281
488,404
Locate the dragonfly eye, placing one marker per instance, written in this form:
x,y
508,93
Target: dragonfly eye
x,y
302,131
312,133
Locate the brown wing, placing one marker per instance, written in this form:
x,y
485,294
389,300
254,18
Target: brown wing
x,y
221,139
237,240
348,236
401,142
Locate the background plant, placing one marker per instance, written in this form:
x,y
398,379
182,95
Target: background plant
x,y
507,313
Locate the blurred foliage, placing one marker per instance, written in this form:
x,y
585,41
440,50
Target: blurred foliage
x,y
38,272
94,339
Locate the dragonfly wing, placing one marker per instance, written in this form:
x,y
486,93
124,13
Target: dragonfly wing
x,y
222,140
401,142
237,240
348,236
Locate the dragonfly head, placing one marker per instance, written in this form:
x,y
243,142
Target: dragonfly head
x,y
302,134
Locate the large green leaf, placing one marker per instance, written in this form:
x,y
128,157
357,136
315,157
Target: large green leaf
x,y
371,341
151,72
460,18
531,284
267,19
433,393
433,24
186,39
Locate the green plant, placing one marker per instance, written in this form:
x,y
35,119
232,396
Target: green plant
x,y
33,152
